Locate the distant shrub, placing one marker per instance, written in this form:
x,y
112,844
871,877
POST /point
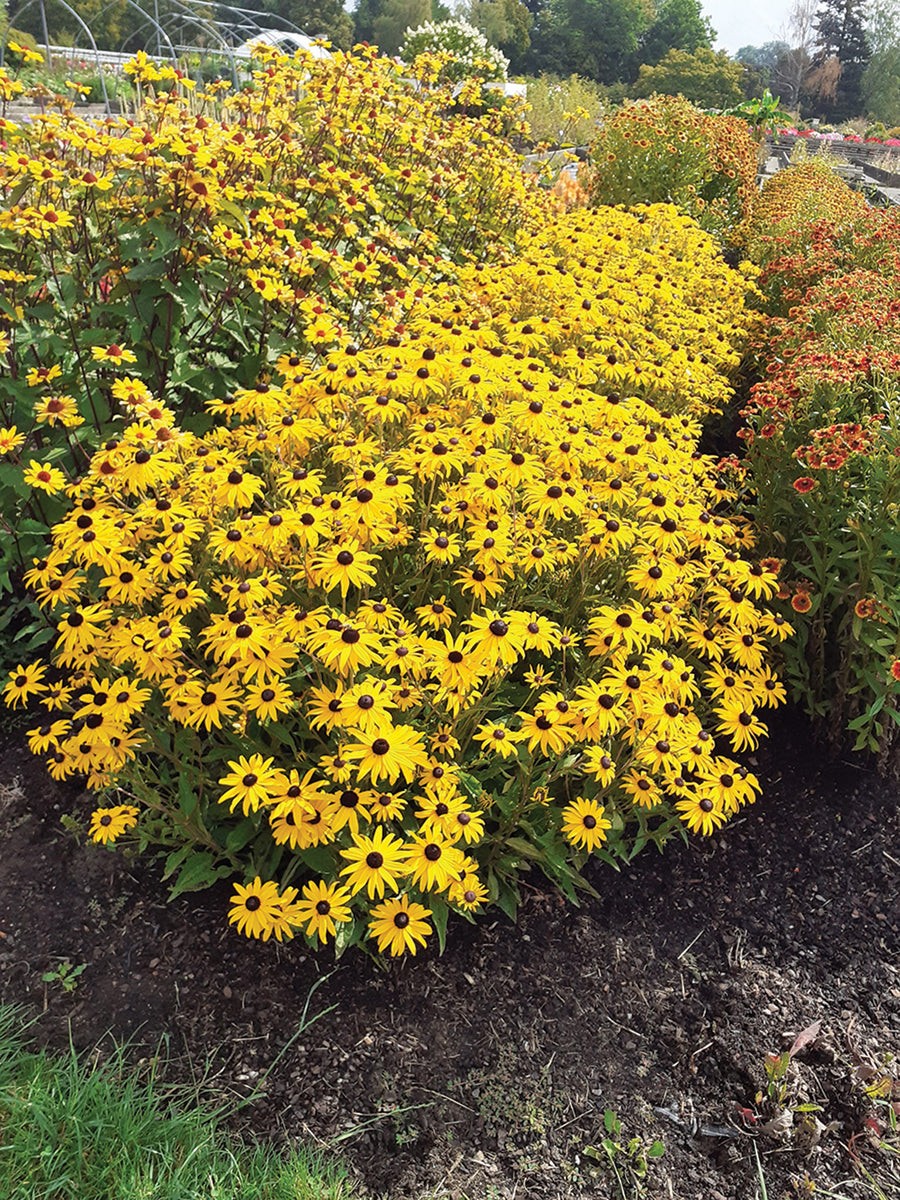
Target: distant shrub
x,y
464,50
564,110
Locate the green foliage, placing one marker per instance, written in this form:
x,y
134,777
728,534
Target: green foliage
x,y
321,19
763,114
881,85
96,1126
596,39
678,25
564,110
707,79
65,975
395,18
505,23
629,1161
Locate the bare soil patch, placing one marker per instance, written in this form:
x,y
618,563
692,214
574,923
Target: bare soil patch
x,y
486,1072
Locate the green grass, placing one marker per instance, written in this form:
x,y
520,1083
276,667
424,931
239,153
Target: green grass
x,y
77,1127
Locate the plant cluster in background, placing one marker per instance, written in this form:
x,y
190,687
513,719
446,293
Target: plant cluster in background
x,y
823,439
564,111
462,50
666,150
420,614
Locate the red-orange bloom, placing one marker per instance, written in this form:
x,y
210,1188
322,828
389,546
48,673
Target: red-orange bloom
x,y
801,603
804,484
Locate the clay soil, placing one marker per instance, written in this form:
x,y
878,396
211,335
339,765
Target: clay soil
x,y
486,1073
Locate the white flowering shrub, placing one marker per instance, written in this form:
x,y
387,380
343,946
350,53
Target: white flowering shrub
x,y
471,55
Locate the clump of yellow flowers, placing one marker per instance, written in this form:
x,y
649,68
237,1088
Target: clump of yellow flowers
x,y
425,614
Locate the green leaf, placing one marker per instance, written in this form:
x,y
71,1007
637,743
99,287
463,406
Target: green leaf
x,y
508,901
280,734
347,934
241,835
470,785
524,849
188,799
439,914
197,873
657,1150
174,860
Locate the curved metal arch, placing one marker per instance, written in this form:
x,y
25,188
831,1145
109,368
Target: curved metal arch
x,y
84,26
147,19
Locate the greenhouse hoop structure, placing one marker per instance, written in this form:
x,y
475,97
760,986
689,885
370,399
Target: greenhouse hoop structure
x,y
173,30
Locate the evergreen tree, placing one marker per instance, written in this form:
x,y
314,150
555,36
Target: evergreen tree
x,y
842,37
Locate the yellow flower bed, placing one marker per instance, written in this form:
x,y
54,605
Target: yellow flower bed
x,y
420,613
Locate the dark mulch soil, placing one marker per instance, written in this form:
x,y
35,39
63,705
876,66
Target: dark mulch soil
x,y
486,1073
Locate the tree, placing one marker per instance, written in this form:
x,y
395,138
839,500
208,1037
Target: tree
x,y
679,25
793,66
505,23
841,37
364,17
395,18
594,38
881,78
320,18
707,79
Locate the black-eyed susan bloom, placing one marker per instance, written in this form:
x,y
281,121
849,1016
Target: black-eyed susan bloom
x,y
395,751
107,824
701,814
24,682
343,566
322,908
497,739
497,641
432,862
254,907
739,722
583,823
400,925
376,862
251,782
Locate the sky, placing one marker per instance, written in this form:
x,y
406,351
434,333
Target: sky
x,y
746,22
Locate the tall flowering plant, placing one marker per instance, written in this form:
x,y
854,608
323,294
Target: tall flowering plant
x,y
665,149
822,447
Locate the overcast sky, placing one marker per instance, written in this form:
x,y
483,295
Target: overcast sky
x,y
746,22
